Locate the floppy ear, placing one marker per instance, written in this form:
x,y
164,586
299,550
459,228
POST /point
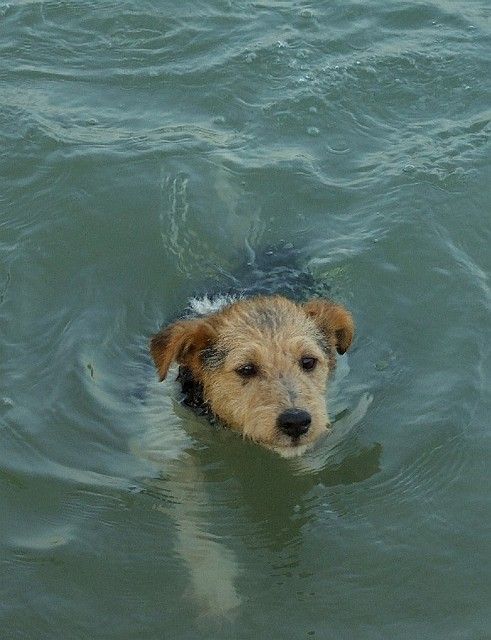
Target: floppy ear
x,y
333,320
180,342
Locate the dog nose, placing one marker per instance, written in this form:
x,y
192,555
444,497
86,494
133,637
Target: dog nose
x,y
294,422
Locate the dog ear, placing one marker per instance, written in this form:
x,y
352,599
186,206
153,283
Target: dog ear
x,y
180,342
333,320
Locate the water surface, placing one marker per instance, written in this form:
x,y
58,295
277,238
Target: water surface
x,y
146,147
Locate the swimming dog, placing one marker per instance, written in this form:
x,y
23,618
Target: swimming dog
x,y
260,365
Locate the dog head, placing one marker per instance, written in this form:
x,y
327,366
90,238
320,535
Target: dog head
x,y
264,365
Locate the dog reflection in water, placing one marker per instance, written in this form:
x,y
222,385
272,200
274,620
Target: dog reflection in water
x,y
260,366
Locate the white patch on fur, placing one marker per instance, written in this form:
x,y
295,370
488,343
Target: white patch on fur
x,y
292,452
205,306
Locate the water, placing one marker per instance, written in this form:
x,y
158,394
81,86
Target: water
x,y
146,148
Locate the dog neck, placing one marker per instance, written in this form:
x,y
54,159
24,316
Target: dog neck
x,y
192,391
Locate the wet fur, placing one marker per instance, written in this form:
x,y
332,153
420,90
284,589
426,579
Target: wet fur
x,y
273,333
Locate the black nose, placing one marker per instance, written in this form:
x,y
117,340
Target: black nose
x,y
294,422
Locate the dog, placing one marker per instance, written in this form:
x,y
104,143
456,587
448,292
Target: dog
x,y
256,357
259,365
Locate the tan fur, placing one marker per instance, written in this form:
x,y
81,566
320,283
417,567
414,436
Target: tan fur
x,y
181,342
272,333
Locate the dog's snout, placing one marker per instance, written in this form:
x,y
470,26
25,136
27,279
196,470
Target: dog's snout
x,y
294,422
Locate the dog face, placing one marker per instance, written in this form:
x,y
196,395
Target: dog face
x,y
264,365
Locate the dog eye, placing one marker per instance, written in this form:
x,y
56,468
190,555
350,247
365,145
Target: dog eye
x,y
248,370
308,363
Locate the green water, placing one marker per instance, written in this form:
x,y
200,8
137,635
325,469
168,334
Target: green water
x,y
144,146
